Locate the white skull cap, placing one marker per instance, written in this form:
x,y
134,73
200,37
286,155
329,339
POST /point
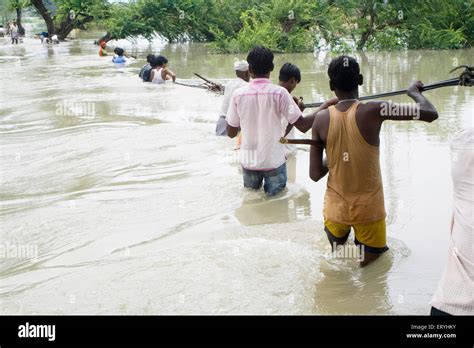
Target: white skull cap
x,y
241,65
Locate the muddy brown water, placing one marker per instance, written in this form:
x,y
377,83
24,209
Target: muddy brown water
x,y
128,203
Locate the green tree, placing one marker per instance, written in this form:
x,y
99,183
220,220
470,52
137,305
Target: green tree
x,y
18,6
176,20
282,25
441,25
299,25
70,14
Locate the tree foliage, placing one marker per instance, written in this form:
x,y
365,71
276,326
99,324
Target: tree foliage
x,y
12,5
283,25
176,20
62,16
301,25
18,6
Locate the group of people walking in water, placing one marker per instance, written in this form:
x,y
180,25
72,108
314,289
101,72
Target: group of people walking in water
x,y
346,138
345,146
348,132
15,31
155,70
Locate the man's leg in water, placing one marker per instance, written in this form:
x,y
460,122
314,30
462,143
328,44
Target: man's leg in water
x,y
337,233
253,179
275,180
372,241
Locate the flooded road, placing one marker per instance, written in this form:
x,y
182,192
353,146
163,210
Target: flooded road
x,y
130,204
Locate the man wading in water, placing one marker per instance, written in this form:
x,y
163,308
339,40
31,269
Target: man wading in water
x,y
258,109
242,72
349,131
289,78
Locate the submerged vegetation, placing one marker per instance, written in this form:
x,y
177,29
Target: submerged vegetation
x,y
282,25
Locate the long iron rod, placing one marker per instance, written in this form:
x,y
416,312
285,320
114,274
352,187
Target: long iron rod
x,y
445,83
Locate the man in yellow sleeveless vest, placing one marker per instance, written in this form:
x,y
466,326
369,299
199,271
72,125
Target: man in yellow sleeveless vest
x,y
349,132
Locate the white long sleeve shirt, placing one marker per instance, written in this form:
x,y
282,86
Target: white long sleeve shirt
x,y
229,90
455,293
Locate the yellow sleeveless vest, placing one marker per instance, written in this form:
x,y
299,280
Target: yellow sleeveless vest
x,y
354,193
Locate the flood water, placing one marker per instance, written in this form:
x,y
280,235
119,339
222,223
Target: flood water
x,y
131,204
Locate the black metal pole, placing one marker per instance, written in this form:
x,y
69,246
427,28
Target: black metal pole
x,y
445,83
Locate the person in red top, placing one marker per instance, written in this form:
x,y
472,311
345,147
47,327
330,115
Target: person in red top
x,y
102,46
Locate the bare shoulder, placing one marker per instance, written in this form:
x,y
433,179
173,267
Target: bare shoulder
x,y
371,109
371,105
321,118
321,125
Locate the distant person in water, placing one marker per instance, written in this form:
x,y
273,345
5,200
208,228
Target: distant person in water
x,y
455,293
241,68
7,28
14,34
349,132
258,109
119,56
2,31
102,48
289,77
145,71
54,39
43,35
160,72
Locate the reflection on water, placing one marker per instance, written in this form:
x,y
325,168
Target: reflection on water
x,y
136,207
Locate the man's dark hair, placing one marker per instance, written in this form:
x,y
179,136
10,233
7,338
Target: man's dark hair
x,y
149,58
154,62
344,73
288,71
260,60
161,60
118,51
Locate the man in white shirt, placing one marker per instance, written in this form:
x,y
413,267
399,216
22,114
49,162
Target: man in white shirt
x,y
14,33
455,293
258,109
241,68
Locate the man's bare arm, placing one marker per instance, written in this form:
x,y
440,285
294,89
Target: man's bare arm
x,y
288,129
300,104
318,167
428,112
232,131
168,72
304,123
421,110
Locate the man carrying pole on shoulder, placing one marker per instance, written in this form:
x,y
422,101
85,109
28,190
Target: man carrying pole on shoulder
x,y
349,132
